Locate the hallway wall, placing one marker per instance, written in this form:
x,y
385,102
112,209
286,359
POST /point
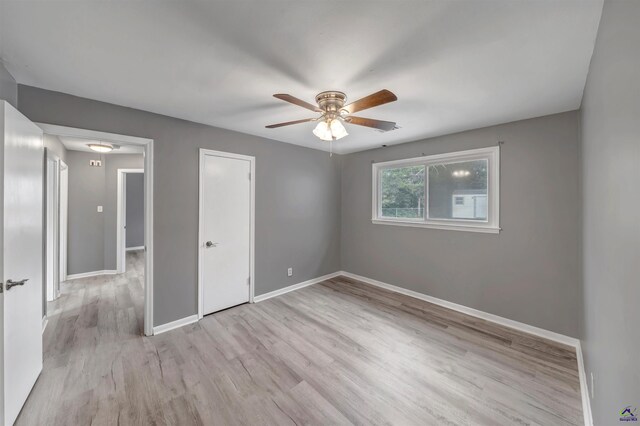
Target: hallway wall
x,y
8,87
92,235
53,144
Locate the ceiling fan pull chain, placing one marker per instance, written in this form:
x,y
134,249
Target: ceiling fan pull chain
x,y
331,148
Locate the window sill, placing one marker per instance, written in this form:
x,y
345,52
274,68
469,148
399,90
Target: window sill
x,y
447,226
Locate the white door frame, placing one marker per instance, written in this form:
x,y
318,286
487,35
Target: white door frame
x,y
121,219
147,145
52,213
252,231
63,223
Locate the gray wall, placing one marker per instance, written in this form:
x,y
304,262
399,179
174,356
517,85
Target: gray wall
x,y
85,243
8,87
53,144
135,210
529,272
92,235
611,207
297,196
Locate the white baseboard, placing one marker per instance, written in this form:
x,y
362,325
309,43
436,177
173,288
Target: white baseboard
x,y
540,332
584,388
175,324
91,274
526,328
293,287
135,248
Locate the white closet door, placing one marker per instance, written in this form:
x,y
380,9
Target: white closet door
x,y
226,221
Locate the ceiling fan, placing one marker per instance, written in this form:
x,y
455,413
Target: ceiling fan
x,y
333,112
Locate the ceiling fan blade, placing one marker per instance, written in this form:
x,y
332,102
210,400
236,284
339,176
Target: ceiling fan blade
x,y
379,98
296,101
385,126
289,123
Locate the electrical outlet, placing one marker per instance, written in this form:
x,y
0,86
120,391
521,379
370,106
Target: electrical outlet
x,y
289,272
593,391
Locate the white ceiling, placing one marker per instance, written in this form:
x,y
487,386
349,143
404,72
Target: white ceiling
x,y
81,144
454,65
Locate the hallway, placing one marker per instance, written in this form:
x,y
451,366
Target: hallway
x,y
94,323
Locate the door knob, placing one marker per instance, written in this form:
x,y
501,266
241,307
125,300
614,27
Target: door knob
x,y
11,283
209,244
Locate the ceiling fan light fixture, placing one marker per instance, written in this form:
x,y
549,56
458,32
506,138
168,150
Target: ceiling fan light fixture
x,y
102,148
330,130
322,131
337,129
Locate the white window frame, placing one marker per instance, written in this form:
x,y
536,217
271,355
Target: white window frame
x,y
491,225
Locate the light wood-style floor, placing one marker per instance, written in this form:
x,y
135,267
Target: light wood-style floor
x,y
340,352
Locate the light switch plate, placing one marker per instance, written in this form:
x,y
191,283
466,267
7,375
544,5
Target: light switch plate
x,y
99,209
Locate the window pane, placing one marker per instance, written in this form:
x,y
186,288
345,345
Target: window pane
x,y
458,190
402,192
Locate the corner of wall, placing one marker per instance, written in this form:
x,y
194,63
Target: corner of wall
x,y
8,86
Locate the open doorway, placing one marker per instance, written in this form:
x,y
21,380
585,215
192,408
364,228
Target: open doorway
x,y
55,204
93,177
130,217
52,228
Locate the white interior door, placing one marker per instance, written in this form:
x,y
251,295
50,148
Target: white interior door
x,y
225,232
22,260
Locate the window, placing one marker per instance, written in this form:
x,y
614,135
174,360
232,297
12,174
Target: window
x,y
447,191
464,182
402,192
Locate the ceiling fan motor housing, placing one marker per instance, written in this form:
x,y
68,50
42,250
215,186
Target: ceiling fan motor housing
x,y
331,102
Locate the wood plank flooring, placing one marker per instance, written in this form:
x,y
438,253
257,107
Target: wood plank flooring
x,y
335,353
